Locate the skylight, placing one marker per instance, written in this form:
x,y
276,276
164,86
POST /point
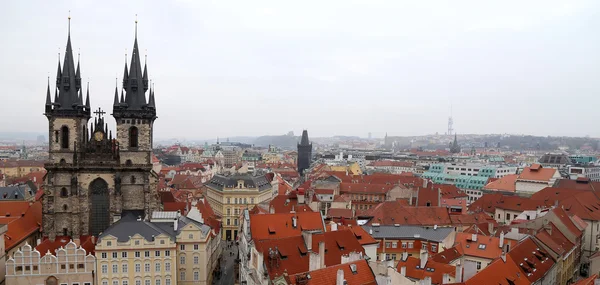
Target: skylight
x,y
481,246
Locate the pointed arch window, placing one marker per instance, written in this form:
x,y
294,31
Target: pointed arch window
x,y
64,142
133,137
64,192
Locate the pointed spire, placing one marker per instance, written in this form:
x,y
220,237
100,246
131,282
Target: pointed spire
x,y
125,73
48,99
67,82
56,95
304,140
135,86
78,73
59,72
87,97
80,98
116,101
145,76
122,96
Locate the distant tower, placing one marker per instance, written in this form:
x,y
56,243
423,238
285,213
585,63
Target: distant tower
x,y
454,147
450,122
304,153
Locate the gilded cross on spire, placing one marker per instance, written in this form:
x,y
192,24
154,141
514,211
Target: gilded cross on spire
x,y
99,113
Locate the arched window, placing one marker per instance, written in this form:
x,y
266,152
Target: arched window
x,y
128,162
63,161
132,179
65,207
64,192
133,137
64,142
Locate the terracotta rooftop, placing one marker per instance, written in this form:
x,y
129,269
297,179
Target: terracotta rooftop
x,y
448,255
287,203
277,226
365,188
587,281
537,173
506,184
484,247
433,269
533,261
20,225
362,275
500,272
86,242
293,254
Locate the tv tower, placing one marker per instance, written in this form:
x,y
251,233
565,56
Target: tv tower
x,y
450,122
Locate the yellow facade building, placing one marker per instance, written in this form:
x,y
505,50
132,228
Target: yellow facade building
x,y
230,195
167,250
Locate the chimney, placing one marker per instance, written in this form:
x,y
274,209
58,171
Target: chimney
x,y
446,278
334,227
93,239
300,196
353,213
501,244
294,222
424,256
321,255
339,280
491,228
38,241
404,256
307,236
474,237
503,256
458,274
427,281
271,210
424,183
403,270
175,224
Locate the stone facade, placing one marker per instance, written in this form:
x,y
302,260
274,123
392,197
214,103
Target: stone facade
x,y
93,178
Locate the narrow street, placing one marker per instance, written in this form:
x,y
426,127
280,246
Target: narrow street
x,y
227,265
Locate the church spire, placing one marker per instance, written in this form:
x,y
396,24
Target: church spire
x,y
68,80
48,99
145,76
78,73
59,72
304,140
135,88
87,97
116,101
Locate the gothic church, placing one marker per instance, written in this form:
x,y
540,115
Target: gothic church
x,y
94,178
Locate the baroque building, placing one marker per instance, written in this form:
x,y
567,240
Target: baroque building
x,y
304,153
94,178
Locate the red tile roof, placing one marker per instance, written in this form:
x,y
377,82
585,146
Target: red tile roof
x,y
21,225
448,255
500,272
327,276
365,188
449,191
293,254
506,184
537,173
587,281
489,202
533,261
338,213
428,197
414,270
361,235
285,204
277,226
485,246
86,242
391,163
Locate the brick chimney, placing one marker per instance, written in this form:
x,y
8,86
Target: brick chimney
x,y
321,255
424,257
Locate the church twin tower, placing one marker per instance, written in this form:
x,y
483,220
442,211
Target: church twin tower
x,y
94,178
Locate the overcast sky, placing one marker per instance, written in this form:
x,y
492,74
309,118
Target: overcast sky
x,y
249,68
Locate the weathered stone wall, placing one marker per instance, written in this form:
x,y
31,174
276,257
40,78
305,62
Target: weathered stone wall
x,y
136,157
76,135
144,134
